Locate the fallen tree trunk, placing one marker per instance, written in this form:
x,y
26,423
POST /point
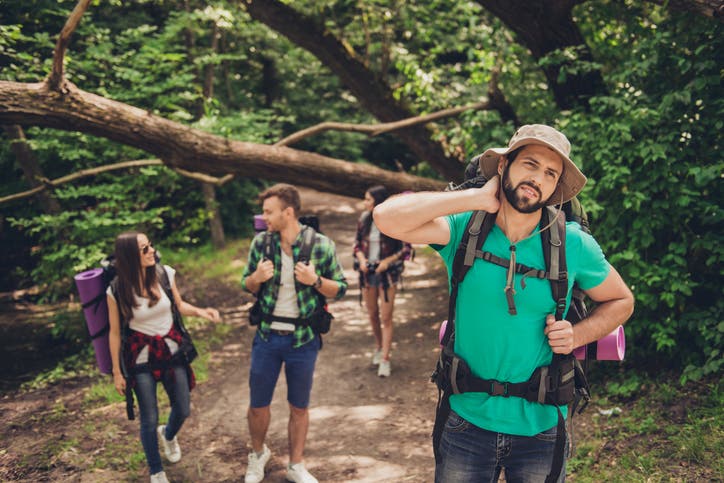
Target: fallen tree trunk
x,y
73,109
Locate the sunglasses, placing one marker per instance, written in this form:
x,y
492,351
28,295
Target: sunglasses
x,y
146,248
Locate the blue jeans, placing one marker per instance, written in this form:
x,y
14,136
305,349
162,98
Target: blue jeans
x,y
471,454
266,363
178,395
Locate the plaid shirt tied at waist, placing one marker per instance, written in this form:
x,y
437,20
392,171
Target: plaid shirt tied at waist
x,y
159,355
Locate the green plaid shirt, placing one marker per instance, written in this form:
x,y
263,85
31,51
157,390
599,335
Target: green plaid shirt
x,y
324,259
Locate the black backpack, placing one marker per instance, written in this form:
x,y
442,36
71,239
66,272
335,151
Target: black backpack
x,y
320,321
560,383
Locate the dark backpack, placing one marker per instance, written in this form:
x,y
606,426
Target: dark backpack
x,y
308,220
560,383
321,320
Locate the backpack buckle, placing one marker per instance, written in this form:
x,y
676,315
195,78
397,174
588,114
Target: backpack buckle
x,y
498,389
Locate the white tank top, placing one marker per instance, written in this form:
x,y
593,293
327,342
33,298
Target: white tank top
x,y
153,321
286,305
374,255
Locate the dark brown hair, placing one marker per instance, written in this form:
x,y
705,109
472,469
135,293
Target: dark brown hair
x,y
287,194
378,193
128,270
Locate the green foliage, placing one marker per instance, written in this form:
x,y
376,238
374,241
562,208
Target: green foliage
x,y
81,236
625,388
649,145
651,150
74,365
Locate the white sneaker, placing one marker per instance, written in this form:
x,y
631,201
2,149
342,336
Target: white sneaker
x,y
384,369
377,357
170,448
159,477
255,467
299,474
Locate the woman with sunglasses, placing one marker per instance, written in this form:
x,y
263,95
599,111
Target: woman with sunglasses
x,y
141,320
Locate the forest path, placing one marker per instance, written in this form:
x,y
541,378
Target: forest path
x,y
362,428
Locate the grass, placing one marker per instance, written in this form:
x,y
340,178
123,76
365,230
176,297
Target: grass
x,y
206,262
666,432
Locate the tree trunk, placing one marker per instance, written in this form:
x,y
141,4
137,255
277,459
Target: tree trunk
x,y
192,149
544,26
31,168
212,207
216,227
373,94
708,8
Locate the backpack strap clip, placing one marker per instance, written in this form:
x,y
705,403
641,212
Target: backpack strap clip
x,y
499,388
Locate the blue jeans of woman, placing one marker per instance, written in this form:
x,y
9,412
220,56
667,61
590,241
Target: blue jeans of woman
x,y
471,454
177,389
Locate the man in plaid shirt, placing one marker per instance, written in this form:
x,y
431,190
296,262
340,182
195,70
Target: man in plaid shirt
x,y
288,291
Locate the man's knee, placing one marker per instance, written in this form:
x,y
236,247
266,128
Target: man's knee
x,y
298,413
258,413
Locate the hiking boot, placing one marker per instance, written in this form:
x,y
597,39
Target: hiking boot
x,y
384,369
255,467
170,448
159,477
299,474
377,357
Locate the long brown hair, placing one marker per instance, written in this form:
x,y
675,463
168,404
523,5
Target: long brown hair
x,y
128,270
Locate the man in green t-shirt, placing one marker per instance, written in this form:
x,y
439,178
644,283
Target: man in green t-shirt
x,y
485,433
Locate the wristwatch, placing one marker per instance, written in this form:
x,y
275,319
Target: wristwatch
x,y
318,282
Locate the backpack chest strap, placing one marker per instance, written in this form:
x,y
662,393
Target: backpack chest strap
x,y
519,267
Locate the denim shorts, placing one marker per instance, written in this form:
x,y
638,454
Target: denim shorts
x,y
375,279
266,363
472,454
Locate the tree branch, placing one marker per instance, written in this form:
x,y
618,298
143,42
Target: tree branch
x,y
204,178
376,129
56,77
371,91
83,173
181,146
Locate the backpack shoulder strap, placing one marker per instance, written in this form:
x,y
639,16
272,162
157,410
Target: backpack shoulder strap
x,y
554,252
165,283
476,231
305,250
267,252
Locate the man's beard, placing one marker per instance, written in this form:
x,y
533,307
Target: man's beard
x,y
519,203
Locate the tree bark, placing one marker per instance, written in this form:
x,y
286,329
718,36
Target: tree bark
x,y
209,191
191,149
373,94
544,26
31,168
212,207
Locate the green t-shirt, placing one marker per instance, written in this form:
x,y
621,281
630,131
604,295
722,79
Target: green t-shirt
x,y
504,347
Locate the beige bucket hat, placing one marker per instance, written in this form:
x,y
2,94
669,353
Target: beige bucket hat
x,y
572,180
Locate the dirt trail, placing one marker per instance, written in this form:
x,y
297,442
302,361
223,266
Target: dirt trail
x,y
363,428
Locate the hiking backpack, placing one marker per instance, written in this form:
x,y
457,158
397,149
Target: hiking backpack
x,y
92,286
561,382
320,321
